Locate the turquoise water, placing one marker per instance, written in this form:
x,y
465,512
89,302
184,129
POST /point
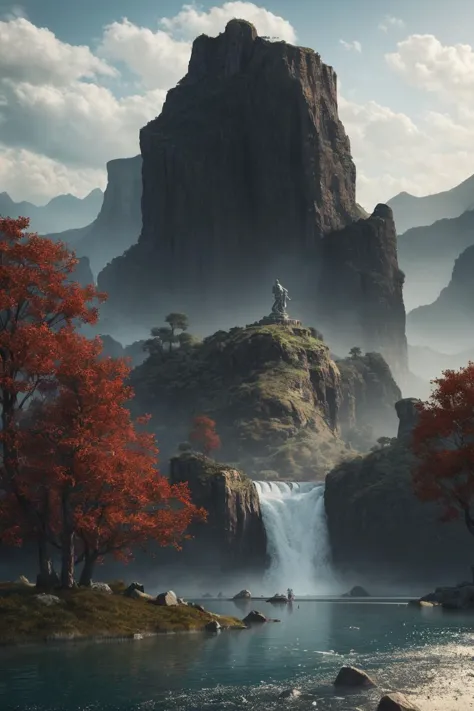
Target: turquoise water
x,y
247,669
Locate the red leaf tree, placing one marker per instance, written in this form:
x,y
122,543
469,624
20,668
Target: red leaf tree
x,y
37,300
204,436
98,467
444,442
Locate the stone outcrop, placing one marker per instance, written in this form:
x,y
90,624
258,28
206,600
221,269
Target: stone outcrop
x,y
118,223
247,166
449,319
234,534
273,391
359,296
369,394
407,414
396,702
379,531
353,677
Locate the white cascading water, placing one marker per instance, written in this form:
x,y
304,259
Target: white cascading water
x,y
295,523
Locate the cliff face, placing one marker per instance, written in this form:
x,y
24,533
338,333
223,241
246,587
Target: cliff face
x,y
369,394
273,391
118,224
234,535
447,323
243,171
379,530
359,295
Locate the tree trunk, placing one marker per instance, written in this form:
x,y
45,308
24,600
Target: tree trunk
x,y
47,576
67,559
88,569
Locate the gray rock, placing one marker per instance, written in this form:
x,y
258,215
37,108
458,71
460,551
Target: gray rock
x,y
213,626
197,606
278,599
254,617
48,600
138,595
351,676
290,694
396,702
243,595
24,582
168,599
102,587
132,587
357,591
181,601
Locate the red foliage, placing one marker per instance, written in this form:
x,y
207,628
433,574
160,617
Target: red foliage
x,y
444,442
97,467
37,301
204,435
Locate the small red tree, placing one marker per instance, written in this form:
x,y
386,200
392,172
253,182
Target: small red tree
x,y
37,300
204,435
100,471
444,442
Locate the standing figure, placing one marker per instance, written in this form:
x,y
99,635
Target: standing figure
x,y
280,294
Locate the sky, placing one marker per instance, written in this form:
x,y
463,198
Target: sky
x,y
79,79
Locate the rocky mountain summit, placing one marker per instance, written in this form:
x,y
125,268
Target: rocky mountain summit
x,y
279,400
245,171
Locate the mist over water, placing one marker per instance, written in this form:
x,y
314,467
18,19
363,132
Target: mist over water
x,y
298,542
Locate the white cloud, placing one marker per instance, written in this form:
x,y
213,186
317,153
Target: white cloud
x,y
389,22
426,63
355,45
191,21
43,178
156,57
34,54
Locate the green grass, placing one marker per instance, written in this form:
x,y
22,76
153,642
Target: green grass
x,y
89,614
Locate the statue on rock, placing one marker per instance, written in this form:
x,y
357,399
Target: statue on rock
x,y
280,294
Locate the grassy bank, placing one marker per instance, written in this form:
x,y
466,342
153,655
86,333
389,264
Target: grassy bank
x,y
85,613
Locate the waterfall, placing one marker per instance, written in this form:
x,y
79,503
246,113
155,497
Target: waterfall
x,y
295,523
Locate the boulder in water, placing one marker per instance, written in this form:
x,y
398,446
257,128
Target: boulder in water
x,y
243,595
396,702
278,599
290,694
254,617
357,591
351,676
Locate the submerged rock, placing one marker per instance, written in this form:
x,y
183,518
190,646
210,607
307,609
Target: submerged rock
x,y
213,626
290,694
243,595
396,702
254,617
351,676
357,591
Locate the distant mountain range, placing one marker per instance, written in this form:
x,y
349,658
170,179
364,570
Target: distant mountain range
x,y
61,213
410,211
448,322
117,226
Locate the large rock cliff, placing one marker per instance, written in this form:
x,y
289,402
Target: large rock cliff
x,y
379,531
243,171
118,223
360,297
233,537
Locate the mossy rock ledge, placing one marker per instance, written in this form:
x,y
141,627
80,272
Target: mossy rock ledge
x,y
273,390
